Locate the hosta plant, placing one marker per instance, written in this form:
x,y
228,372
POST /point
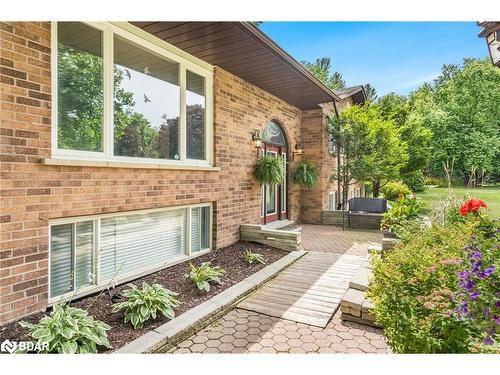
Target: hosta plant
x,y
252,258
269,170
147,303
69,330
205,274
305,175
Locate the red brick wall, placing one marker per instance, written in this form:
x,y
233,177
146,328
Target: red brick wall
x,y
32,193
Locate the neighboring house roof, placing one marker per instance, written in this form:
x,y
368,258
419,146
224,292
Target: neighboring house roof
x,y
357,93
244,50
491,32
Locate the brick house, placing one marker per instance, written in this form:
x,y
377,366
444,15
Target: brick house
x,y
127,147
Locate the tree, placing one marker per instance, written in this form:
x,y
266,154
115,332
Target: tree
x,y
464,117
370,92
371,147
402,113
321,70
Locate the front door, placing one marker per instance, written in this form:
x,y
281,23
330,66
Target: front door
x,y
274,197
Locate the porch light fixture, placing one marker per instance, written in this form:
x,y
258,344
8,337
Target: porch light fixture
x,y
298,150
257,140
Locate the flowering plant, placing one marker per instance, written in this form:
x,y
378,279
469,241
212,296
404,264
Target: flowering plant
x,y
472,206
477,298
439,291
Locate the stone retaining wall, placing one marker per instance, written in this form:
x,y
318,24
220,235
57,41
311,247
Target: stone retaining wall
x,y
281,239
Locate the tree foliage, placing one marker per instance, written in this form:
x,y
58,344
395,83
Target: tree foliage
x,y
321,69
462,110
371,147
370,92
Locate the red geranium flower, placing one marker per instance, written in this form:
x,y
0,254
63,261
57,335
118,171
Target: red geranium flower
x,y
472,205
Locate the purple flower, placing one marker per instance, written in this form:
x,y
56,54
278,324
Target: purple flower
x,y
496,318
466,284
475,255
474,295
497,304
487,312
488,340
463,307
487,272
464,274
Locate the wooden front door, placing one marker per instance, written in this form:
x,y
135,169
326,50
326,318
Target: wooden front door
x,y
274,197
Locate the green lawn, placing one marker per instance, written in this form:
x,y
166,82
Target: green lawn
x,y
491,195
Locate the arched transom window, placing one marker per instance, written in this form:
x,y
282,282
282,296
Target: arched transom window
x,y
273,134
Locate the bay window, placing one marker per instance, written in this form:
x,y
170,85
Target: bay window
x,y
90,253
120,96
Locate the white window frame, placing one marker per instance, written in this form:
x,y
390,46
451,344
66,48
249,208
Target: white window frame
x,y
98,285
156,46
334,194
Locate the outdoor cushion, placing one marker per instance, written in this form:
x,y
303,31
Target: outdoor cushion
x,y
372,205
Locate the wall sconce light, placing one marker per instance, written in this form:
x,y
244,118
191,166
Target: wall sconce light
x,y
257,140
298,150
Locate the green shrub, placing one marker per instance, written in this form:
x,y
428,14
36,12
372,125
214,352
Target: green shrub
x,y
305,174
412,290
401,216
415,182
251,258
205,274
146,303
394,190
269,170
69,330
437,292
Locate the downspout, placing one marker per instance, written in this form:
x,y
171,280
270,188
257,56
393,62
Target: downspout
x,y
339,185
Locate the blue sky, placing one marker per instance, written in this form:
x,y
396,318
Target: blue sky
x,y
392,56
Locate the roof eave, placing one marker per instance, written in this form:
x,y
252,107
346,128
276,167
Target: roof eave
x,y
269,43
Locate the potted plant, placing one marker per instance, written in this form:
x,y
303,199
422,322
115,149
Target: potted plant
x,y
269,170
305,174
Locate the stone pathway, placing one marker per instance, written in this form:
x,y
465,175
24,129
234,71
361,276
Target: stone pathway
x,y
309,291
332,239
242,331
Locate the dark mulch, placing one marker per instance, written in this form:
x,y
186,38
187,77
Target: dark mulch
x,y
99,306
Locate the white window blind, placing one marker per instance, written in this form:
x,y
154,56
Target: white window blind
x,y
200,228
71,251
61,263
133,243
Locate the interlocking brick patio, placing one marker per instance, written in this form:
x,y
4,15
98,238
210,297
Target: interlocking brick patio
x,y
332,239
242,331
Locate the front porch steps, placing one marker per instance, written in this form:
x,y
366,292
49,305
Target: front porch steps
x,y
281,239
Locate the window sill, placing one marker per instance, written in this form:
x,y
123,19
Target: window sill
x,y
127,164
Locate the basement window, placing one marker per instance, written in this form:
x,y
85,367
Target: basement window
x,y
101,251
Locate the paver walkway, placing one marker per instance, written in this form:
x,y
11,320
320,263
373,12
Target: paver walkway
x,y
244,331
332,239
309,291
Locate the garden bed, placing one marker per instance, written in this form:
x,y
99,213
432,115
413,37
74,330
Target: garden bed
x,y
99,306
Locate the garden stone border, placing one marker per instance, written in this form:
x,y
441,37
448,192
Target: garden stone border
x,y
163,338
